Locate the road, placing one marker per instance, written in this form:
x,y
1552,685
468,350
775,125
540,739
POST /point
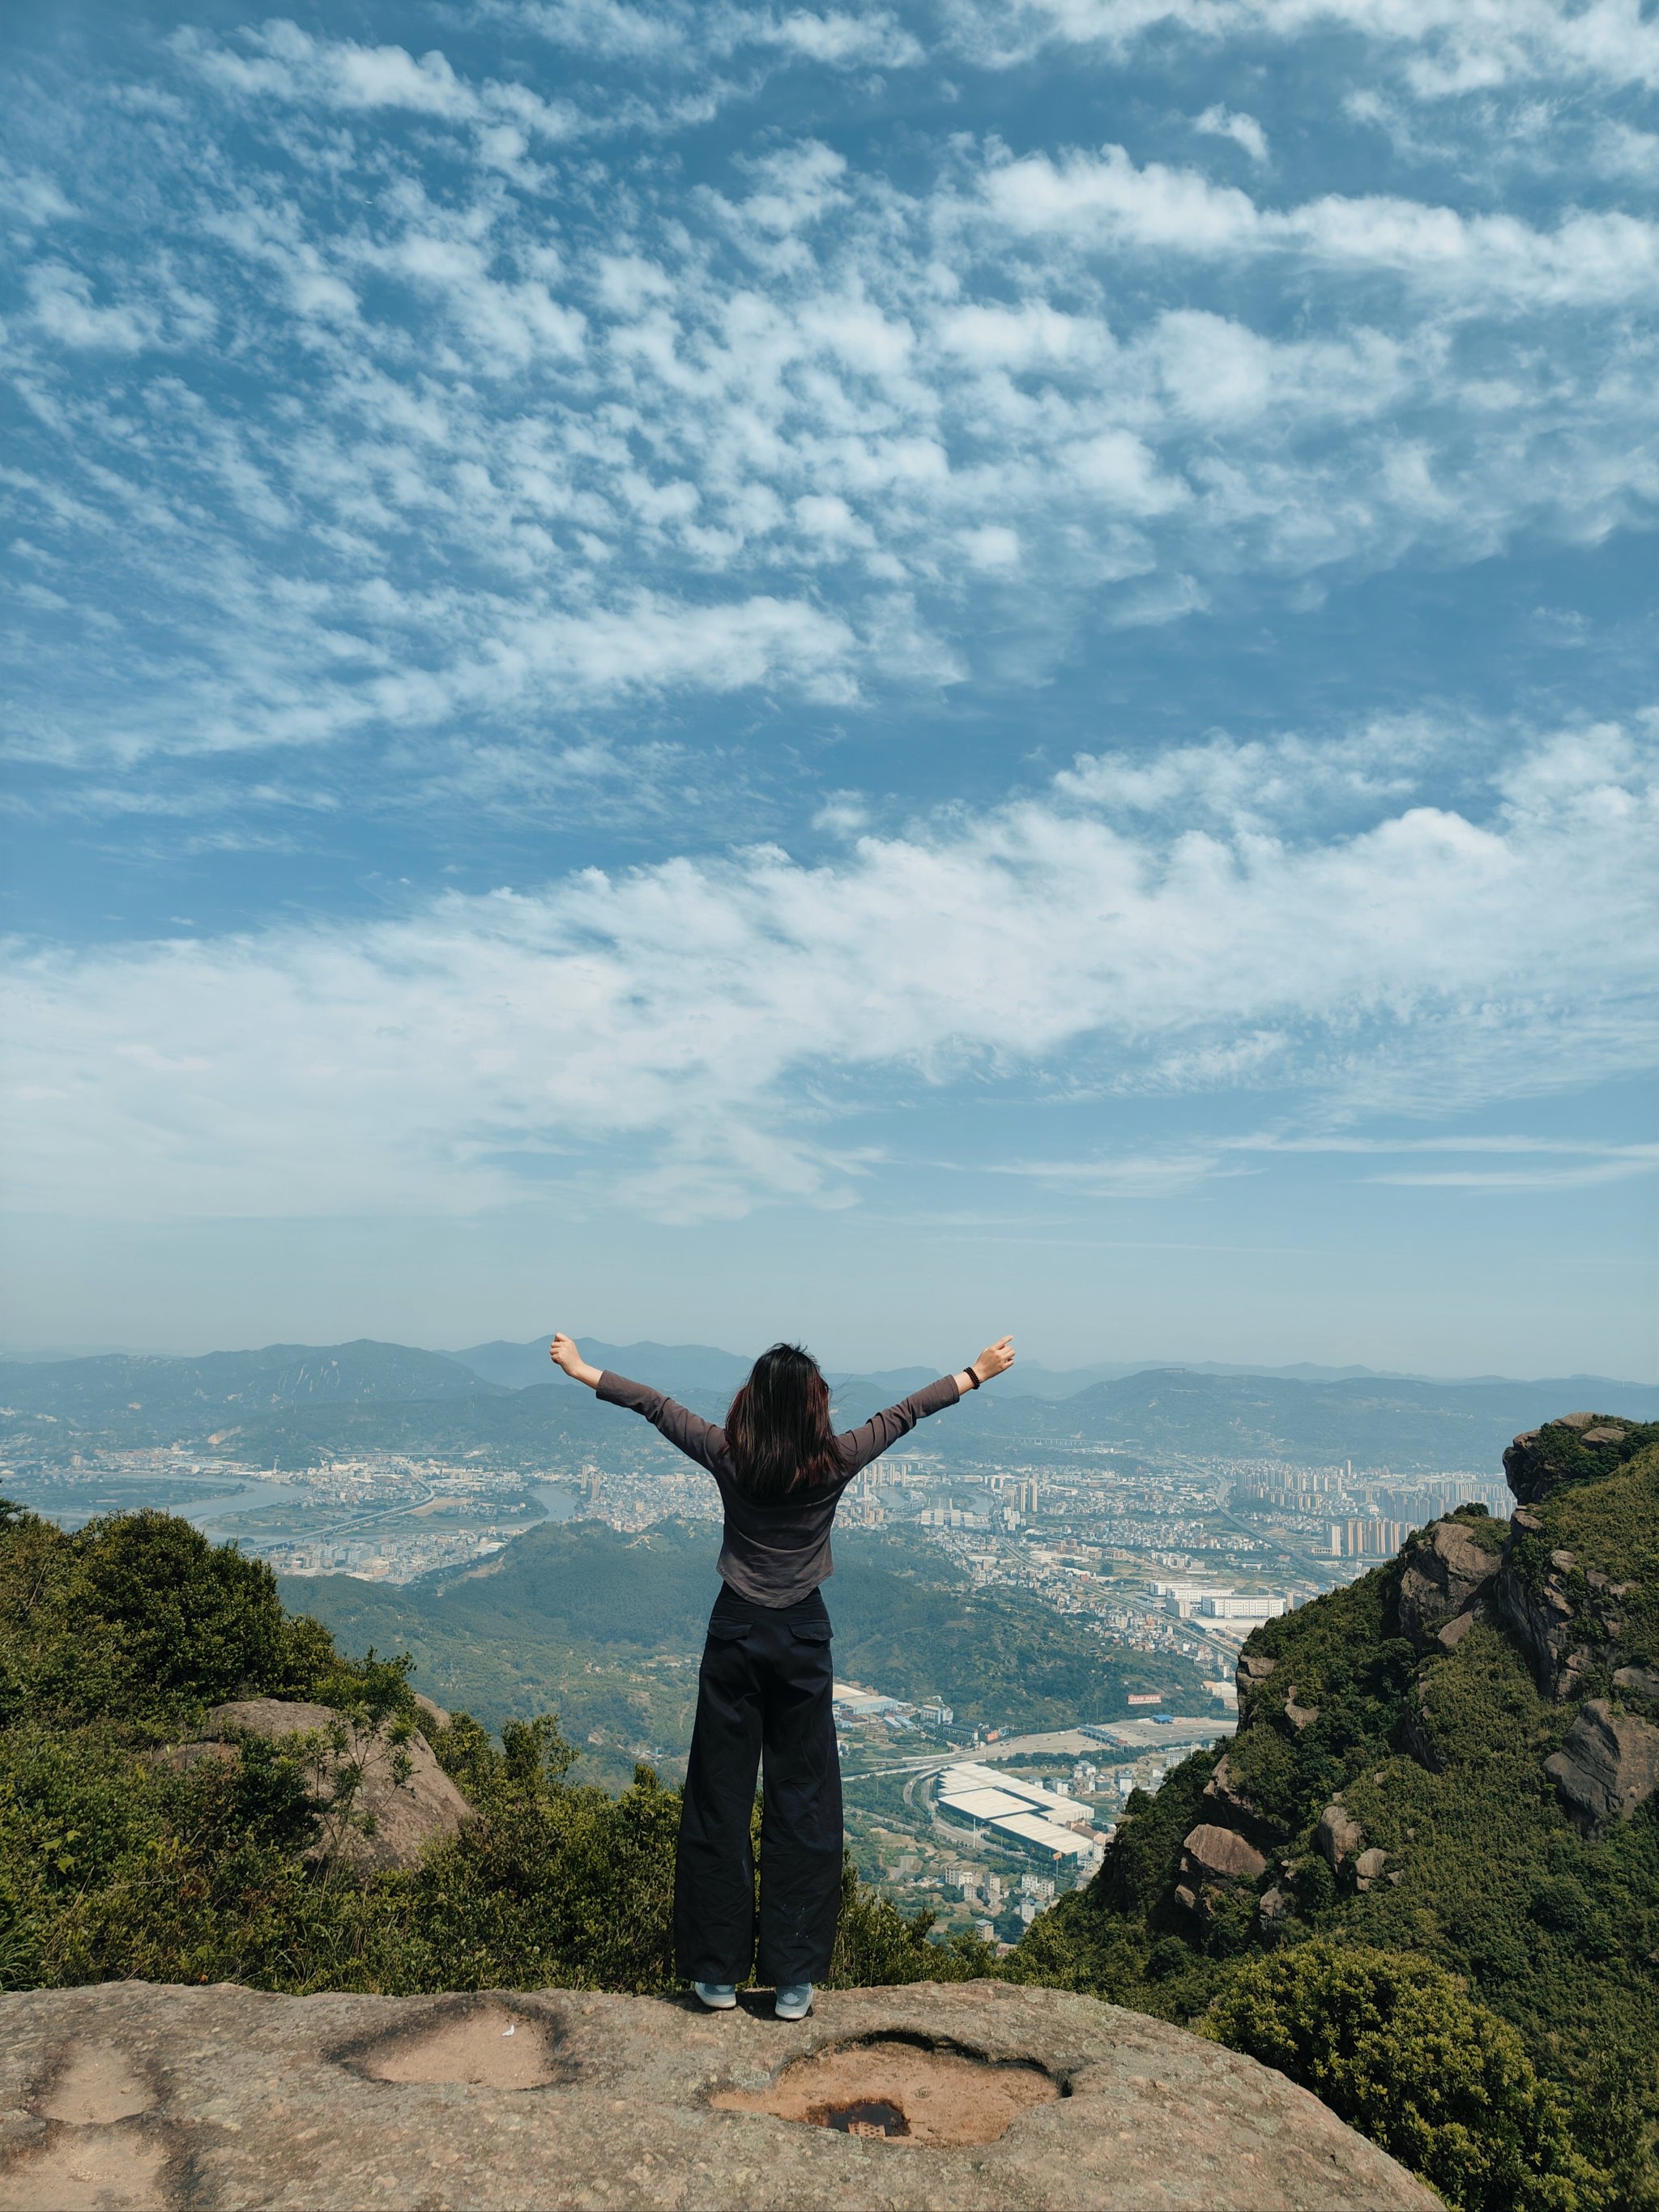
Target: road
x,y
1130,1739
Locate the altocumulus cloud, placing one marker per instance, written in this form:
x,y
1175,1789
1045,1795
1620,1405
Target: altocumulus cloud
x,y
419,403
1205,927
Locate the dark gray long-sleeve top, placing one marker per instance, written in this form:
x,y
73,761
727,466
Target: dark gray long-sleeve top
x,y
776,1553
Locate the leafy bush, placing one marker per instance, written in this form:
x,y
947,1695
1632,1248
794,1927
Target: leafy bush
x,y
1396,2048
121,1856
137,1615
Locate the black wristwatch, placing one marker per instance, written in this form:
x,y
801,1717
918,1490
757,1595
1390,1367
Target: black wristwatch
x,y
968,1371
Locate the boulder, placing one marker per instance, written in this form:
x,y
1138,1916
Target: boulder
x,y
1230,1805
1608,1766
1299,1716
1450,1634
1221,1855
1443,1572
1338,1835
1368,1866
1272,1912
982,2097
406,1813
1637,1681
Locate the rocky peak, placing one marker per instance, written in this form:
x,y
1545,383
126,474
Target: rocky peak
x,y
1572,1448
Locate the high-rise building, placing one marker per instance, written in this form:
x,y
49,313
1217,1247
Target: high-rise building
x,y
1367,1539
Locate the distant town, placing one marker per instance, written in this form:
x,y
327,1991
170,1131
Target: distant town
x,y
981,1826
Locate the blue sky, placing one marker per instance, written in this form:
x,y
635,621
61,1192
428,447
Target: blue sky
x,y
887,672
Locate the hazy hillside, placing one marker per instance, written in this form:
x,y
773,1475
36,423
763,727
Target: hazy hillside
x,y
288,1406
1373,1421
144,1399
676,1368
607,1629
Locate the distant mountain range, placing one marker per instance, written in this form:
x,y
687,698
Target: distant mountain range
x,y
703,1367
290,1404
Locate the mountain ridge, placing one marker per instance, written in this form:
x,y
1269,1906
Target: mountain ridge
x,y
288,1406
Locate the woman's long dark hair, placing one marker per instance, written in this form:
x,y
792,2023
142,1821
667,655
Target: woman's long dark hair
x,y
779,1428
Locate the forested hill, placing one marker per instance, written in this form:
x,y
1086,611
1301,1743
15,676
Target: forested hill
x,y
607,1628
292,1405
1456,1759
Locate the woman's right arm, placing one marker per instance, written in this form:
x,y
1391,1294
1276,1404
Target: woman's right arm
x,y
686,1431
563,1354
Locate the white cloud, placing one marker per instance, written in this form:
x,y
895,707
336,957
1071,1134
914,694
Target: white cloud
x,y
1445,47
1219,122
1104,201
679,1019
281,62
684,34
64,309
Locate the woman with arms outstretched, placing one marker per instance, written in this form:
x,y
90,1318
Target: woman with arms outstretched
x,y
767,1683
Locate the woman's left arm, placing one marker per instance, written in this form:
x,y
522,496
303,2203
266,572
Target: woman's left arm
x,y
861,1445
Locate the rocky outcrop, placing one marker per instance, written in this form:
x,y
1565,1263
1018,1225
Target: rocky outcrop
x,y
978,2096
1221,1855
1230,1805
1608,1765
1251,1672
1637,1682
1573,1448
402,1802
1339,1836
1443,1573
1566,1623
1272,1912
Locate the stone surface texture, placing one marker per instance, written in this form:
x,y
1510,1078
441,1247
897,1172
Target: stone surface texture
x,y
1566,1625
132,2096
1443,1572
1608,1765
407,1814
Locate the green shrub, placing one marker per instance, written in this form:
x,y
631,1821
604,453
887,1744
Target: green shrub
x,y
1396,2048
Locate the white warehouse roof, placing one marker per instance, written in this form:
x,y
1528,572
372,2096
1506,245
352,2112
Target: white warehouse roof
x,y
981,1804
1032,1828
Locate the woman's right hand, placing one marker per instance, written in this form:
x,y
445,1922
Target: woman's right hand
x,y
562,1352
996,1358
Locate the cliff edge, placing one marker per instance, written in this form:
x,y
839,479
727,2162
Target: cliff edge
x,y
975,2095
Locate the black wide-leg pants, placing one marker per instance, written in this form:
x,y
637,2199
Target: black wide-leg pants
x,y
764,1694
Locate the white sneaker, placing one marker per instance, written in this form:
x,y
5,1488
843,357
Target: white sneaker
x,y
720,1996
795,2001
